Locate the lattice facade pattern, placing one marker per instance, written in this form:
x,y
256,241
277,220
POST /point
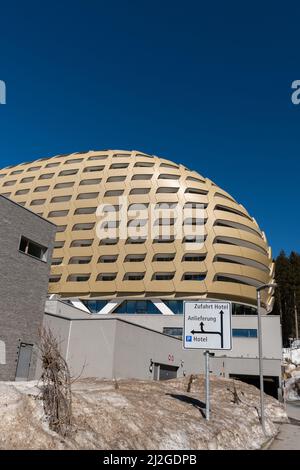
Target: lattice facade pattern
x,y
67,189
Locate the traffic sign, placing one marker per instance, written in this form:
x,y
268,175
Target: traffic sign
x,y
207,325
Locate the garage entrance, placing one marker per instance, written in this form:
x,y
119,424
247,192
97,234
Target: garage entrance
x,y
164,372
271,384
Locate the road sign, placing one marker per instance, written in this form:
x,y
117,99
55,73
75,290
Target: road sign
x,y
207,325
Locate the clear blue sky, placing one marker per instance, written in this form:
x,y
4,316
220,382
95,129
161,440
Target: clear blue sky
x,y
207,84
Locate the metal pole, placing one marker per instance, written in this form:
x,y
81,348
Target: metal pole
x,y
207,385
261,375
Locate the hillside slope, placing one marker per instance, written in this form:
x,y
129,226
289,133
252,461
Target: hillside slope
x,y
140,415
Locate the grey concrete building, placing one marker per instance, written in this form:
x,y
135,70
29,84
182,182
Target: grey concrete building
x,y
26,243
144,346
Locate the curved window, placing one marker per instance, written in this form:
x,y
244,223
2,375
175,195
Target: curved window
x,y
115,179
78,277
236,225
140,191
163,276
46,176
141,177
134,276
67,184
87,196
196,191
163,257
242,261
74,160
219,207
90,181
117,166
68,172
22,191
85,210
86,226
239,242
114,193
193,257
52,165
38,202
135,240
197,180
166,176
81,243
40,189
144,164
109,241
57,213
80,260
193,276
167,190
107,259
135,258
60,199
98,157
247,281
34,168
106,277
90,169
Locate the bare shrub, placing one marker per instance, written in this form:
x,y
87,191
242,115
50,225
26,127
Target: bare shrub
x,y
55,384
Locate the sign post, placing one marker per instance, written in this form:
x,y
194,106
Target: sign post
x,y
207,325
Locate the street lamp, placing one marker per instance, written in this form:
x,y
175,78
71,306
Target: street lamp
x,y
260,353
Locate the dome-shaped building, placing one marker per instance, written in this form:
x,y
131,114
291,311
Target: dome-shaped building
x,y
137,233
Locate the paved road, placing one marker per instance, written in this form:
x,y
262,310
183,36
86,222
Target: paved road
x,y
289,435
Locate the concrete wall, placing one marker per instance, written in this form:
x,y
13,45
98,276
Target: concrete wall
x,y
242,347
23,282
111,347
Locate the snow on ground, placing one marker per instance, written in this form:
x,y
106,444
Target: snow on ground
x,y
140,415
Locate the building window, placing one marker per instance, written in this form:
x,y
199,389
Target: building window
x,y
244,333
81,243
94,306
108,259
78,277
163,257
140,191
90,181
106,277
133,276
68,172
240,309
175,305
163,276
137,307
90,169
193,277
135,258
190,257
80,260
85,210
33,249
173,331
